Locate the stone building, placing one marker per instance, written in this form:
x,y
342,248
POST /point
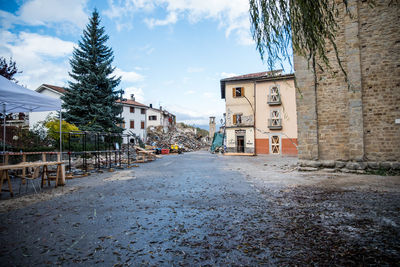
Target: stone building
x,y
260,113
358,126
212,127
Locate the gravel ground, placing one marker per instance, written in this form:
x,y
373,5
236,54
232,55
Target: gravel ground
x,y
202,209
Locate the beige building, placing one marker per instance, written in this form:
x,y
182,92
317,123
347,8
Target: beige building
x,y
354,127
260,113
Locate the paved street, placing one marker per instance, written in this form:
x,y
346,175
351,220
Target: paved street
x,y
202,209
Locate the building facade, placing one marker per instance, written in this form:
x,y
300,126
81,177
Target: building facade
x,y
160,117
358,125
260,113
135,118
48,90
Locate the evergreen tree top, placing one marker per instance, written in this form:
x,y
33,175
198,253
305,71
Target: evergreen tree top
x,y
90,100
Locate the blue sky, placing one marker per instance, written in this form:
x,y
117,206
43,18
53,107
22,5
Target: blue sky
x,y
171,53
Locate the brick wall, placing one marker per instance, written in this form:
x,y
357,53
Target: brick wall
x,y
288,146
380,66
262,146
335,123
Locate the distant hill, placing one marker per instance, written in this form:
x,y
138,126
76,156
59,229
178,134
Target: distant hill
x,y
204,127
202,130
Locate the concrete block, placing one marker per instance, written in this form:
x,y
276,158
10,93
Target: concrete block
x,y
395,165
340,164
307,169
385,165
373,165
328,163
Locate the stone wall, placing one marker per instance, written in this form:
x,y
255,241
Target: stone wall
x,y
339,124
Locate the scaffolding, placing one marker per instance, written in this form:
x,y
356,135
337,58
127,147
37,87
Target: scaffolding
x,y
105,150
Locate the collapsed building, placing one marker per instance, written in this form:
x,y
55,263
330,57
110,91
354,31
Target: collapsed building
x,y
182,135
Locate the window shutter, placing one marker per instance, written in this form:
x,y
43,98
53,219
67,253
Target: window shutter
x,y
234,119
234,92
242,91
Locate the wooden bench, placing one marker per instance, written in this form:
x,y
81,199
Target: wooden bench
x,y
4,175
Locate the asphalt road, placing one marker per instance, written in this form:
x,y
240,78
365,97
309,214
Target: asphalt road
x,y
200,209
179,210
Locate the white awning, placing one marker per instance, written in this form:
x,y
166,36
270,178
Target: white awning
x,y
20,99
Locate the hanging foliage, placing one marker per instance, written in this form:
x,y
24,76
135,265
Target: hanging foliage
x,y
306,26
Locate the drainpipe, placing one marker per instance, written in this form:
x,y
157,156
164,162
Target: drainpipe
x,y
254,114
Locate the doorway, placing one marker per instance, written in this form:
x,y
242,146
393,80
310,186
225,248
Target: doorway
x,y
275,144
240,144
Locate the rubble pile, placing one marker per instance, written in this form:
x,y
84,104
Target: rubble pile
x,y
184,137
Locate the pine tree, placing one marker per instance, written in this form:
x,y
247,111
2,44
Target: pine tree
x,y
8,70
90,101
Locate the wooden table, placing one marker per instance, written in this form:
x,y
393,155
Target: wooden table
x,y
60,177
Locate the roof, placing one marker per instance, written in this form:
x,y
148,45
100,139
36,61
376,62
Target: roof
x,y
274,75
58,89
131,102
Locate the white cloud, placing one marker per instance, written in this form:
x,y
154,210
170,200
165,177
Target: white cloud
x,y
128,76
138,93
41,58
172,18
190,92
120,8
147,49
227,75
48,13
194,70
232,15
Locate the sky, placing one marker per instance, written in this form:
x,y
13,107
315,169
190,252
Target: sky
x,y
169,53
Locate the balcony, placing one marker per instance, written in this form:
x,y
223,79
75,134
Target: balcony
x,y
274,100
275,124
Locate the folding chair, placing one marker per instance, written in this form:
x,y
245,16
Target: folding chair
x,y
32,177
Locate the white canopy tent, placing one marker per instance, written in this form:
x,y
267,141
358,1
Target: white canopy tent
x,y
15,98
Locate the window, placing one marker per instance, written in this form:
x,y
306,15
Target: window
x,y
132,109
132,126
274,97
142,111
275,122
122,125
142,125
238,91
153,118
237,119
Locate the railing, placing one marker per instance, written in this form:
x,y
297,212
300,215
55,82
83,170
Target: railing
x,y
274,100
275,124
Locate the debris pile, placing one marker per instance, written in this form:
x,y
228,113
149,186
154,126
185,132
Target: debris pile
x,y
186,137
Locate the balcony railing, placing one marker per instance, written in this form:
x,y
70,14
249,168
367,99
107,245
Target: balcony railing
x,y
275,124
274,100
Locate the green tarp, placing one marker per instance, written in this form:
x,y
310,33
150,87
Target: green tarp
x,y
218,141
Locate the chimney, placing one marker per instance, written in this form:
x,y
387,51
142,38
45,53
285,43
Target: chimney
x,y
160,107
133,97
151,105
